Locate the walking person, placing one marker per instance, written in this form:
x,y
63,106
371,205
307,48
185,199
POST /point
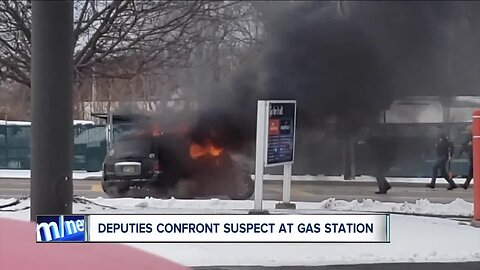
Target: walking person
x,y
383,149
467,147
445,150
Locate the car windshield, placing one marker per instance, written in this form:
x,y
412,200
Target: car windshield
x,y
132,147
120,129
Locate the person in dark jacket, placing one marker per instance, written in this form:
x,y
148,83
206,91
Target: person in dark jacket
x,y
445,150
383,151
467,147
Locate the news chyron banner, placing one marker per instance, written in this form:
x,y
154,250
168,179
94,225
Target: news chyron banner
x,y
218,228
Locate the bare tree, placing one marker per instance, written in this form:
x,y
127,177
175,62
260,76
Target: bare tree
x,y
231,37
15,41
146,43
136,34
225,37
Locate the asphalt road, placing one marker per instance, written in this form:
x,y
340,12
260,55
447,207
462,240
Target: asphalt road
x,y
301,191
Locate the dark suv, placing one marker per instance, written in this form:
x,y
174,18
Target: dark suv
x,y
131,162
143,164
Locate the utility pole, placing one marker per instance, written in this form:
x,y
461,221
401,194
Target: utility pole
x,y
348,147
51,187
93,106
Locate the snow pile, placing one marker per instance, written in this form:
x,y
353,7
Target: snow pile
x,y
25,174
83,122
27,123
458,207
210,206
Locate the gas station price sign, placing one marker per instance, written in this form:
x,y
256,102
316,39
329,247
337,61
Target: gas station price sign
x,y
281,122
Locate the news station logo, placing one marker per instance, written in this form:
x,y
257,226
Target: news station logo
x,y
62,228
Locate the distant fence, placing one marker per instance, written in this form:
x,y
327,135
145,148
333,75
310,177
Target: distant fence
x,y
321,153
314,154
89,146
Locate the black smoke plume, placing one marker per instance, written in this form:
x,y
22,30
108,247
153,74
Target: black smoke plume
x,y
348,61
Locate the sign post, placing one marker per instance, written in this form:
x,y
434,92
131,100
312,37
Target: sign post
x,y
287,184
276,121
259,157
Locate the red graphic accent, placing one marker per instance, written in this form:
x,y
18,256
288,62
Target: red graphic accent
x,y
274,127
19,251
476,164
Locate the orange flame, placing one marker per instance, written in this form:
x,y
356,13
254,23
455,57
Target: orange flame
x,y
197,150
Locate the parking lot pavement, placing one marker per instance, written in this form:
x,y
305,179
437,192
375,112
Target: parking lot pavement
x,y
307,192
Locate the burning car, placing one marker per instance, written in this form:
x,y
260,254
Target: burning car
x,y
146,161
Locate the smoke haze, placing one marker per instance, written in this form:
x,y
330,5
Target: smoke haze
x,y
351,60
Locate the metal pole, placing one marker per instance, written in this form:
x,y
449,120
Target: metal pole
x,y
476,166
287,187
287,182
260,155
94,95
52,108
110,130
6,143
352,158
347,157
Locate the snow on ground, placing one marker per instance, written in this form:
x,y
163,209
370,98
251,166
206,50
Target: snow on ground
x,y
5,202
25,174
26,123
458,207
413,238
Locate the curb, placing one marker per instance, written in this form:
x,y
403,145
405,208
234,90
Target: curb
x,y
307,182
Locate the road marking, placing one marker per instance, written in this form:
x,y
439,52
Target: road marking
x,y
97,188
15,189
294,192
300,192
273,189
